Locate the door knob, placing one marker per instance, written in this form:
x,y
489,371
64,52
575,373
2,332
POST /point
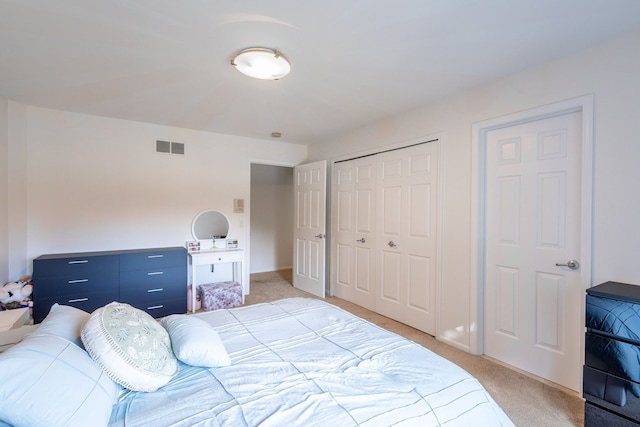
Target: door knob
x,y
361,240
572,264
319,236
391,244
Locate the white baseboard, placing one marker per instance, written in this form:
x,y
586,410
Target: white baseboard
x,y
273,269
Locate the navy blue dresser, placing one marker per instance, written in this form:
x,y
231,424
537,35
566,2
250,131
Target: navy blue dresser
x,y
154,280
611,381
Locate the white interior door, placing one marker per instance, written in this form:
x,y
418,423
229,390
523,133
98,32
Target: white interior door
x,y
354,230
309,235
406,237
533,195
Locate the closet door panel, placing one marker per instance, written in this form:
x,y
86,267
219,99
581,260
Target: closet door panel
x,y
419,242
363,265
419,275
365,239
344,220
391,266
354,230
343,267
345,213
391,211
407,184
364,211
419,211
389,302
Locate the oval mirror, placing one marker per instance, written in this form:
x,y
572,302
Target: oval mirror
x,y
210,224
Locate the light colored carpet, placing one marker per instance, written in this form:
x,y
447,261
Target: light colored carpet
x,y
526,400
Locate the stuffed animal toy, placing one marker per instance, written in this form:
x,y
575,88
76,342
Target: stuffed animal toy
x,y
16,291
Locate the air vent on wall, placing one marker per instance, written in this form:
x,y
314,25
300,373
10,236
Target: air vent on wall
x,y
169,147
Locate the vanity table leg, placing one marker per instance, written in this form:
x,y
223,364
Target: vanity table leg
x,y
193,287
242,279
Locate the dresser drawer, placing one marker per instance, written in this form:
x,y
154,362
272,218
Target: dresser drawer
x,y
153,260
611,393
82,282
73,266
595,416
165,308
153,292
214,258
86,302
151,278
613,357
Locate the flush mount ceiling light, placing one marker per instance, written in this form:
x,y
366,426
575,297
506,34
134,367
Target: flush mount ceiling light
x,y
261,63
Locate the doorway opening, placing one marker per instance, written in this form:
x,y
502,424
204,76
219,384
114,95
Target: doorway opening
x,y
271,218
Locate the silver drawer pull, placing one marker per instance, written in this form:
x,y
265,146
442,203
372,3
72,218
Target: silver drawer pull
x,y
155,307
84,261
155,256
78,300
155,273
71,282
155,290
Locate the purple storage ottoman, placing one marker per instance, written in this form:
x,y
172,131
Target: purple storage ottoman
x,y
220,295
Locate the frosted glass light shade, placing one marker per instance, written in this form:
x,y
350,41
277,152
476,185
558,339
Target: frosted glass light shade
x,y
261,63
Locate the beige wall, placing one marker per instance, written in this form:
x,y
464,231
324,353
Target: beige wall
x,y
92,183
17,190
610,72
4,191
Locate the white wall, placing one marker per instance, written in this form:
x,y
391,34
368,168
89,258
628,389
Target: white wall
x,y
271,218
93,183
609,71
17,190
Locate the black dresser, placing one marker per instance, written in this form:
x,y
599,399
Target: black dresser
x,y
611,381
154,280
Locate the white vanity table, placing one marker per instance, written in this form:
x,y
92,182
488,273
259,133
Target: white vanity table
x,y
209,228
212,257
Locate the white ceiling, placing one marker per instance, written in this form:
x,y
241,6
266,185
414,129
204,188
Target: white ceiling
x,y
353,61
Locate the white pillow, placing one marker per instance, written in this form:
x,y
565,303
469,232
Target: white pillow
x,y
194,342
130,346
47,380
64,321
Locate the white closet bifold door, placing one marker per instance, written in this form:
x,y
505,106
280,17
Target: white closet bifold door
x,y
385,246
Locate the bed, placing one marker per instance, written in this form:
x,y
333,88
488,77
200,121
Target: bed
x,y
299,361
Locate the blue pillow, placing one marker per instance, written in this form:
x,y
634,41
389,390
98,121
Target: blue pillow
x,y
194,342
64,321
46,380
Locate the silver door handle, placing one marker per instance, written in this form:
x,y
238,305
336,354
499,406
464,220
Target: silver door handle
x,y
391,244
319,236
361,240
572,264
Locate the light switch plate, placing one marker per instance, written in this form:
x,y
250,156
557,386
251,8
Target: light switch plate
x,y
238,205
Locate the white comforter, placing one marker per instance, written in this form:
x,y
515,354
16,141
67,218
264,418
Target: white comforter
x,y
303,362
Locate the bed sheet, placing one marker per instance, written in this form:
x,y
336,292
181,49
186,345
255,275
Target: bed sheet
x,y
306,362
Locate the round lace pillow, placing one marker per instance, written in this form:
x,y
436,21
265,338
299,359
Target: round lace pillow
x,y
130,346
